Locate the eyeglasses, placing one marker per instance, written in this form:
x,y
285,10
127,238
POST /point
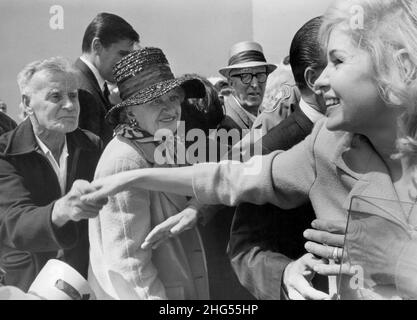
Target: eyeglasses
x,y
246,78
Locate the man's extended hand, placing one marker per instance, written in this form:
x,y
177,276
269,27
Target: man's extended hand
x,y
71,208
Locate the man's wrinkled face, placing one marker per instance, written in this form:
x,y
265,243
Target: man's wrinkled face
x,y
52,101
249,86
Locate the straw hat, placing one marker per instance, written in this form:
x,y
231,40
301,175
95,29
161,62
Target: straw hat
x,y
144,75
246,54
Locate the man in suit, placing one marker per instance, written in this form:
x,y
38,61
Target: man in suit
x,y
247,74
106,40
44,163
265,239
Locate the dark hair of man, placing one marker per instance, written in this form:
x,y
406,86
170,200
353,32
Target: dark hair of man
x,y
305,51
109,28
205,113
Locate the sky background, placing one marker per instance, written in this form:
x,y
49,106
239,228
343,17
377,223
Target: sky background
x,y
195,35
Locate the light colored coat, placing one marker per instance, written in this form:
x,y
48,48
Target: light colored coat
x,y
119,268
327,167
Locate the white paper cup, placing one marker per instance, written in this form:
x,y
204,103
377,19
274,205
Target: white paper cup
x,y
59,281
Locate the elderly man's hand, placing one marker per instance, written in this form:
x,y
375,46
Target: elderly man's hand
x,y
71,208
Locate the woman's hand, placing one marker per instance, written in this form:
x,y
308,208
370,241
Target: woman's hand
x,y
297,279
373,244
326,241
171,227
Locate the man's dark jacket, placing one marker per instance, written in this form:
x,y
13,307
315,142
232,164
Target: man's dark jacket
x,y
6,123
29,188
93,104
265,238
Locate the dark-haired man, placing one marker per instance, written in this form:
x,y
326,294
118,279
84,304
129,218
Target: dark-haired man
x,y
106,40
264,239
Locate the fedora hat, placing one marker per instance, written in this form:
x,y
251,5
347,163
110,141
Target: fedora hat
x,y
144,75
246,54
59,281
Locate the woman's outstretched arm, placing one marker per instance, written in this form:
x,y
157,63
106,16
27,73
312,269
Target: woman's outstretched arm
x,y
173,180
281,178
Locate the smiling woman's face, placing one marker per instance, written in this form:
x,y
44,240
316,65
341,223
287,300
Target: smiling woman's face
x,y
161,113
349,88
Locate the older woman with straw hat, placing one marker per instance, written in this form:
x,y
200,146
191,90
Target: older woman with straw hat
x,y
119,268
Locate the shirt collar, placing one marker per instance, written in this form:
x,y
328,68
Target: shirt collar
x,y
94,70
46,150
310,112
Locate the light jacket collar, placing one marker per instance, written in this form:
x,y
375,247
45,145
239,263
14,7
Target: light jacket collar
x,y
352,154
374,192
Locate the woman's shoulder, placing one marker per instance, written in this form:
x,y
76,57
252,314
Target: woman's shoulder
x,y
121,154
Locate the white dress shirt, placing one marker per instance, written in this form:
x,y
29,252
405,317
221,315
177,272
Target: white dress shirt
x,y
60,167
310,112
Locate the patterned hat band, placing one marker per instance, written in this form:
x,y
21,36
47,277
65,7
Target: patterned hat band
x,y
148,77
247,56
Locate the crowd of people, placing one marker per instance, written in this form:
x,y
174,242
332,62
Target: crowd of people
x,y
288,181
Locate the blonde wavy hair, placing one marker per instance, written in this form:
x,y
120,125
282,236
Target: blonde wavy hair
x,y
383,28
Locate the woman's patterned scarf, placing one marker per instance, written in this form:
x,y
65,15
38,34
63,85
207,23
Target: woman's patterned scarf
x,y
172,143
133,133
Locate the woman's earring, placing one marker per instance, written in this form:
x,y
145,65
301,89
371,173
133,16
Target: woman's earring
x,y
133,123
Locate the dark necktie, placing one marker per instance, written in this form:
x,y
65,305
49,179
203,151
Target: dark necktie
x,y
106,93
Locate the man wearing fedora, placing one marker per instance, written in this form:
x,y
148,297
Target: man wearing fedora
x,y
106,40
247,73
44,163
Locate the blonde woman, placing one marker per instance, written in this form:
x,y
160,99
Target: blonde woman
x,y
369,84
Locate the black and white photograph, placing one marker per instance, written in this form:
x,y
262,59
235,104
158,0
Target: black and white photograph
x,y
224,152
